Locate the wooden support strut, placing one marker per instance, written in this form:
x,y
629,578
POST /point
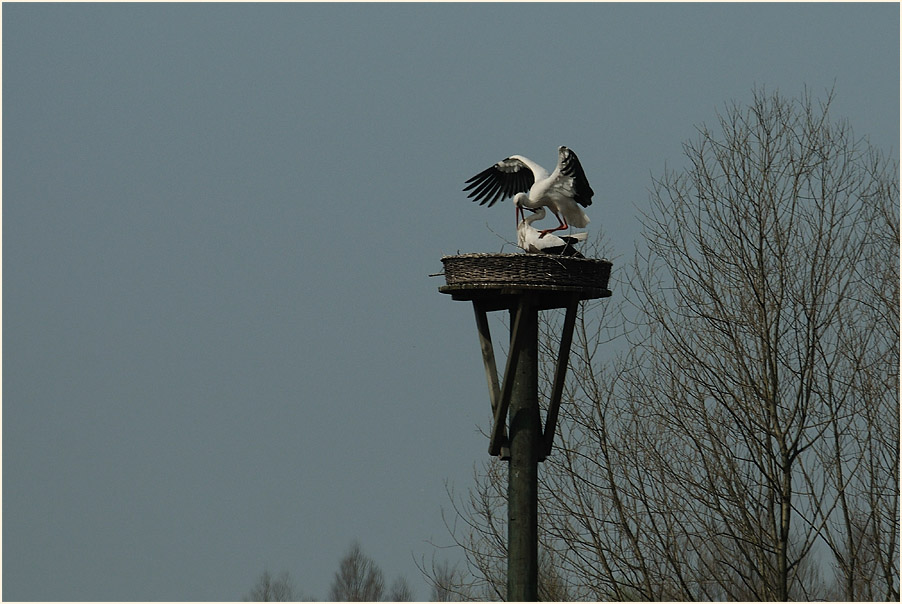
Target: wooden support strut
x,y
560,373
491,371
498,424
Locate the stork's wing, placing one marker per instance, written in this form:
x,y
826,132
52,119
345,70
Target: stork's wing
x,y
572,252
566,249
569,166
505,179
574,238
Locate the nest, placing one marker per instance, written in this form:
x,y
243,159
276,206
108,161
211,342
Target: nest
x,y
526,270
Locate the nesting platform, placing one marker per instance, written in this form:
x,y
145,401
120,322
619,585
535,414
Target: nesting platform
x,y
523,284
497,280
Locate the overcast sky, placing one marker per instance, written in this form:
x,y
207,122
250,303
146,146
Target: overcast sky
x,y
222,351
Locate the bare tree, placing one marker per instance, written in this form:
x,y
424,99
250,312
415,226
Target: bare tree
x,y
865,541
400,591
445,582
270,589
761,242
358,578
750,429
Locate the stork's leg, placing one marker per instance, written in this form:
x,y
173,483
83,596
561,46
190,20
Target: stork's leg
x,y
563,225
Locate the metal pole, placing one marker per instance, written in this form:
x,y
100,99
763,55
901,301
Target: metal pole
x,y
525,441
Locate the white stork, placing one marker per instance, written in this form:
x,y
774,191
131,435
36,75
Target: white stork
x,y
529,239
563,191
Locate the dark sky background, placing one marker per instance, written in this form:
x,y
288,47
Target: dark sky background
x,y
222,349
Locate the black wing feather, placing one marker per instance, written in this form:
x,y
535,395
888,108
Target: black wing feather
x,y
570,166
562,250
505,179
485,188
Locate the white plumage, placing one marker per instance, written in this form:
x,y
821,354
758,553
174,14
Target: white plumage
x,y
565,191
532,241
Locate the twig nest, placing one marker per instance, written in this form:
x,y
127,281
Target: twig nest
x,y
526,270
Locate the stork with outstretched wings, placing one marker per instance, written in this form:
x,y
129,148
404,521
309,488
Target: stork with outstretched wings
x,y
565,192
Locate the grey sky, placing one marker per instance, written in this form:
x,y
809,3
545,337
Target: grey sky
x,y
222,351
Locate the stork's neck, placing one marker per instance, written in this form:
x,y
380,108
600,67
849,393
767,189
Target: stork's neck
x,y
523,200
537,215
